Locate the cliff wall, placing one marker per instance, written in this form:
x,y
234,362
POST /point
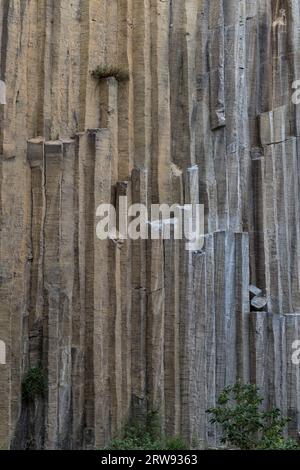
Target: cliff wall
x,y
206,117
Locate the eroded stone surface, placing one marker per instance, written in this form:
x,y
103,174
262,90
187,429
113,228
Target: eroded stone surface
x,y
206,116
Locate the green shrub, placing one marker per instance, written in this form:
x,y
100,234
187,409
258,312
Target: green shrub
x,y
244,425
176,443
106,71
33,384
147,437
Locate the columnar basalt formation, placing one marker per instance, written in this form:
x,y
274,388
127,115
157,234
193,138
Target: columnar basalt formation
x,y
206,116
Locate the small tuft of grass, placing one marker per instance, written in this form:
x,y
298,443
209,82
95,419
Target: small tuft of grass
x,y
103,72
33,384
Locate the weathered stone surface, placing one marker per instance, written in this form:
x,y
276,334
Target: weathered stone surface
x,y
123,326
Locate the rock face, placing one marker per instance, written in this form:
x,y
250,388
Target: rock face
x,y
206,116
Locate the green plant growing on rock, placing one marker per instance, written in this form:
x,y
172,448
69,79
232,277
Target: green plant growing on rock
x,y
244,425
103,72
147,437
33,384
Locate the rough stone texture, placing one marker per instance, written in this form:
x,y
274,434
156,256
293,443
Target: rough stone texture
x,y
206,116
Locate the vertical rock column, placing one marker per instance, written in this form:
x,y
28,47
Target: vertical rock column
x,y
102,398
187,314
141,79
199,397
210,338
242,281
78,317
52,278
224,262
259,359
67,292
172,250
36,158
124,322
139,303
155,323
277,362
125,89
216,44
161,119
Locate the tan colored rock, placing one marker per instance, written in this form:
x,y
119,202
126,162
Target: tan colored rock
x,y
122,327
